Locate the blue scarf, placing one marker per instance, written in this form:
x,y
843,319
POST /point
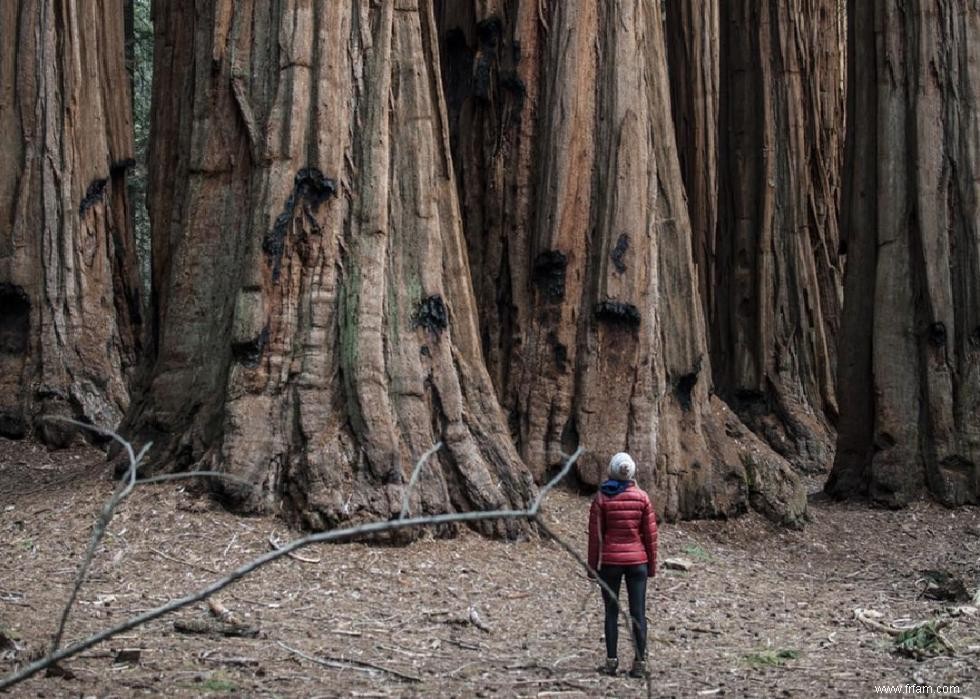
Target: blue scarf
x,y
612,487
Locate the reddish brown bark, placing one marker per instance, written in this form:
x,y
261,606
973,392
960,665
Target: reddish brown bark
x,y
576,224
763,200
910,341
316,325
693,46
70,313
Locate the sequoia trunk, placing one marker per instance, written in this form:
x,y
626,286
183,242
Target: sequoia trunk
x,y
580,239
693,48
770,266
910,346
316,329
69,305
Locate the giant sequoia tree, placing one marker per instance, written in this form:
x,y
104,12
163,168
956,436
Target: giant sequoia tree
x,y
910,346
766,238
69,306
580,243
315,323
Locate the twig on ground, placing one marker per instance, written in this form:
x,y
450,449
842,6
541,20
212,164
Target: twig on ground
x,y
551,680
530,666
345,632
218,610
231,543
161,554
360,665
863,616
453,673
276,545
208,657
15,598
566,657
462,644
211,627
474,618
945,641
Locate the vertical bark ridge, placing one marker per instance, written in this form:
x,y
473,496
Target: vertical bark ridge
x,y
777,273
560,261
908,422
693,46
70,315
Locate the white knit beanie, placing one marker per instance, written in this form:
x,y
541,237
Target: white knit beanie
x,y
621,467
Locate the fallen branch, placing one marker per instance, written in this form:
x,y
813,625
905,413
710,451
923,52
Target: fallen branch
x,y
102,523
532,514
276,545
15,599
864,617
174,559
918,640
109,509
240,661
211,627
474,618
218,610
359,665
243,570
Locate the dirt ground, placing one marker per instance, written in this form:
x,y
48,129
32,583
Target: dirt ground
x,y
762,611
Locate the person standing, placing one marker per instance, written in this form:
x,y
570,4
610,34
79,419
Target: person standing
x,y
623,544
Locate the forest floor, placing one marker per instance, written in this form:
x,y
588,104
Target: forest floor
x,y
762,611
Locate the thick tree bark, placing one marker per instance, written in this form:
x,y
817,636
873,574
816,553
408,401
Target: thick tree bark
x,y
770,267
316,329
910,346
693,56
69,306
579,234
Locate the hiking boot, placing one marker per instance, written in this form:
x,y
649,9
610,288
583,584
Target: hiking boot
x,y
610,666
639,669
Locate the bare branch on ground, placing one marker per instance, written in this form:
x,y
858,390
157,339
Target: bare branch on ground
x,y
55,655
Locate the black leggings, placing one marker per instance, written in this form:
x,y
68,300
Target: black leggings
x,y
636,590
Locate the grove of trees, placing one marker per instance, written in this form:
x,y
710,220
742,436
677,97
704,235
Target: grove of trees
x,y
737,239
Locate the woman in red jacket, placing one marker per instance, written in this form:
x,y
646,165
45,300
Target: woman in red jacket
x,y
623,543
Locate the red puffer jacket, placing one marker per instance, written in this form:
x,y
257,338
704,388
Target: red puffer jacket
x,y
623,530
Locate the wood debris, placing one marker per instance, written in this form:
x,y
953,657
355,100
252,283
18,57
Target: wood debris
x,y
277,545
214,628
678,563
